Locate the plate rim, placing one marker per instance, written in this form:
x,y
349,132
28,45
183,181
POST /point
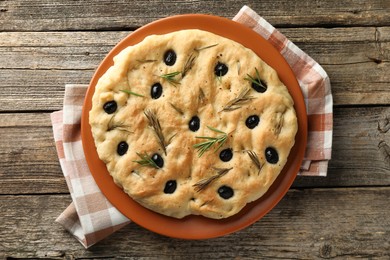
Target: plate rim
x,y
218,227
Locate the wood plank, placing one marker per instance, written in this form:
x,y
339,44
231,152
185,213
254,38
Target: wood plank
x,y
37,90
360,149
84,50
40,15
29,163
361,136
306,224
56,50
35,66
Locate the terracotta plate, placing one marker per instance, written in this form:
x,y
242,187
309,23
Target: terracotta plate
x,y
197,227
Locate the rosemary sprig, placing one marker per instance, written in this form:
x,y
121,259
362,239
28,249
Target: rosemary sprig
x,y
131,93
155,124
202,184
191,59
170,77
205,47
236,103
146,160
238,67
118,126
254,159
257,81
210,141
188,65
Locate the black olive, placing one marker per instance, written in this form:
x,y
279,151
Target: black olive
x,y
271,155
156,90
225,192
194,124
252,121
170,57
170,187
122,148
259,85
158,160
110,107
220,69
226,155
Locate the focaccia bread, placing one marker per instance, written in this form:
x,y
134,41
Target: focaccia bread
x,y
190,122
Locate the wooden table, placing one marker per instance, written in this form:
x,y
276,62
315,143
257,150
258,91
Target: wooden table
x,y
45,44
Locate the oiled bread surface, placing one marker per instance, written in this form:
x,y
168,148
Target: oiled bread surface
x,y
201,185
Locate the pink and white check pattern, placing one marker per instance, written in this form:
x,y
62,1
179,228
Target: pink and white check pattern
x,y
315,86
91,217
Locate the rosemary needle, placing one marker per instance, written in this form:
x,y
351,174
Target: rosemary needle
x,y
170,77
205,47
131,93
146,61
178,110
241,99
202,184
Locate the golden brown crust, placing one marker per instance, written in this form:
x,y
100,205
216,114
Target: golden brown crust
x,y
222,103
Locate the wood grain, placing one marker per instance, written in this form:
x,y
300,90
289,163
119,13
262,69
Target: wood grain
x,y
37,90
31,165
40,15
306,224
46,44
35,66
83,50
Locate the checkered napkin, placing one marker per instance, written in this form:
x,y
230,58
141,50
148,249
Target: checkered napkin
x,y
315,86
90,217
